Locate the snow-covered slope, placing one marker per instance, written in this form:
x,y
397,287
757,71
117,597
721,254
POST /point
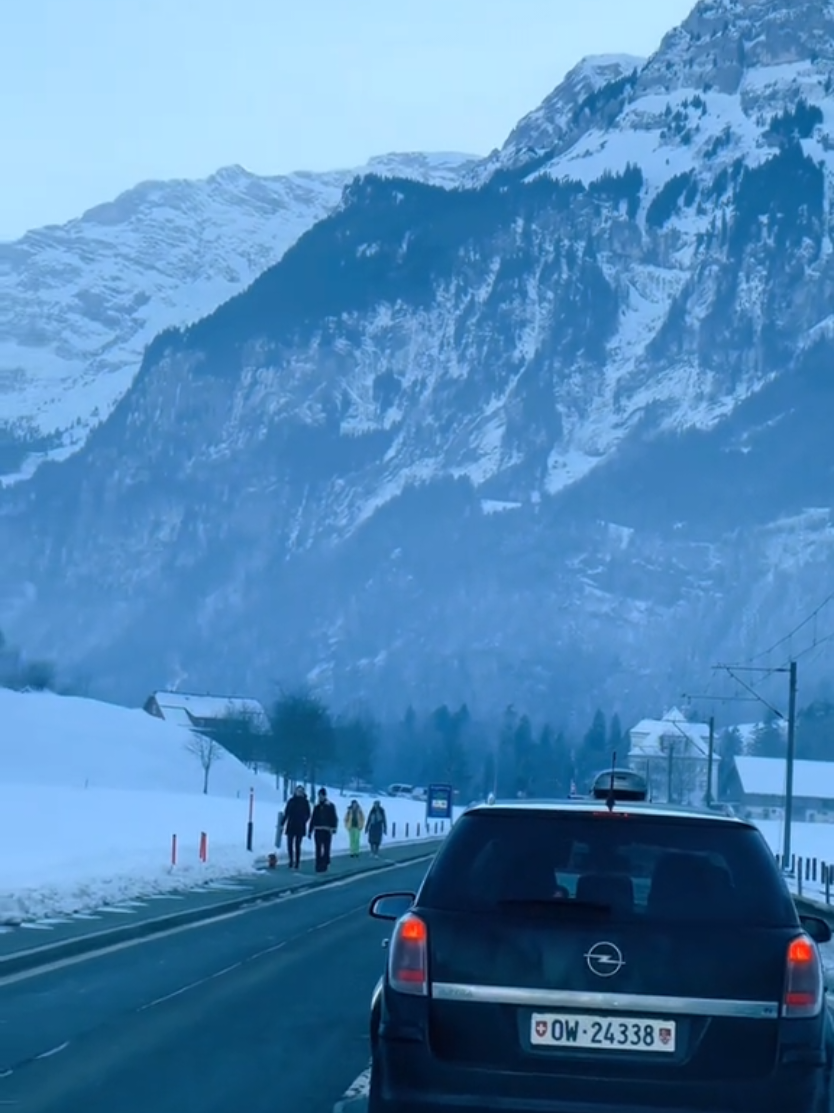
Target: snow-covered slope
x,y
560,114
623,345
91,794
84,743
79,302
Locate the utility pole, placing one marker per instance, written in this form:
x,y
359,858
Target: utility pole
x,y
786,847
710,752
733,671
669,772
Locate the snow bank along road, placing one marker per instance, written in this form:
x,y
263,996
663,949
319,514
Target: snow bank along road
x,y
264,1009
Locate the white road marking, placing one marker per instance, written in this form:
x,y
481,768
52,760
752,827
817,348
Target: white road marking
x,y
114,948
53,1051
50,920
357,1091
85,916
35,925
193,985
120,911
249,958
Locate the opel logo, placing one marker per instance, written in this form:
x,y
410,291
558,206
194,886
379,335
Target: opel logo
x,y
604,959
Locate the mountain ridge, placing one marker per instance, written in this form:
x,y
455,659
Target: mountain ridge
x,y
474,443
81,300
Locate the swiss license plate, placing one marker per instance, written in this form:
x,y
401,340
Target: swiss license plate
x,y
602,1033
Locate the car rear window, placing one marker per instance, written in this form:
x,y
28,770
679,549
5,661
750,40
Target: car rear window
x,y
634,866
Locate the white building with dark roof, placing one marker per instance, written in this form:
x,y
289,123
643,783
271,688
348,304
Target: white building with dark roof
x,y
673,754
206,712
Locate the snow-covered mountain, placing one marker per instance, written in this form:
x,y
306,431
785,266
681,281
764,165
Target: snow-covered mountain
x,y
79,302
565,111
562,436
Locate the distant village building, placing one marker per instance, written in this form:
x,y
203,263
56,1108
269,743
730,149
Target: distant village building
x,y
757,786
235,722
196,711
672,753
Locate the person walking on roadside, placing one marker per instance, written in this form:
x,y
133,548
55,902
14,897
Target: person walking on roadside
x,y
296,817
324,824
355,823
377,826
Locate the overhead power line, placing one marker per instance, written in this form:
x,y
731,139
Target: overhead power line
x,y
792,633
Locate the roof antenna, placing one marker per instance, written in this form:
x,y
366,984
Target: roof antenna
x,y
612,799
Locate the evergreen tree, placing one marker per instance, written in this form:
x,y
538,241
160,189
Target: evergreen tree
x,y
506,753
728,748
815,732
615,740
488,784
409,750
547,782
564,766
357,740
593,755
523,755
448,759
768,738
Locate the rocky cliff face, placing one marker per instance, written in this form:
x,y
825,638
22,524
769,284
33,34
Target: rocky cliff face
x,y
79,302
557,439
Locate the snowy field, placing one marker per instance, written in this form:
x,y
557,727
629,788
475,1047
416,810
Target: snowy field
x,y
91,795
808,840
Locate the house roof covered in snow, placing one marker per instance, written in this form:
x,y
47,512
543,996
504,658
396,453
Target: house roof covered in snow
x,y
185,708
653,737
765,776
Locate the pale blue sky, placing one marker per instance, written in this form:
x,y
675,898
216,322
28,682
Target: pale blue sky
x,y
98,95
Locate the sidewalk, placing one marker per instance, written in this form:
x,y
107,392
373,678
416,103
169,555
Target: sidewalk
x,y
51,939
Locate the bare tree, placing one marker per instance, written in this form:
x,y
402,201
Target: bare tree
x,y
239,731
207,751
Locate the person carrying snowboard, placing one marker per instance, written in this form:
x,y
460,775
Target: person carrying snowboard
x,y
377,826
355,823
324,823
296,817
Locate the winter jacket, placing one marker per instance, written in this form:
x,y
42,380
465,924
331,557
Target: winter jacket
x,y
324,817
377,824
355,818
296,815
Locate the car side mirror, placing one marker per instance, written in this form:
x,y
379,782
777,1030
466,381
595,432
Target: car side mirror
x,y
390,906
817,928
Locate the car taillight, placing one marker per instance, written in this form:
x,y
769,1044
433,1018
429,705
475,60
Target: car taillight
x,y
408,956
804,988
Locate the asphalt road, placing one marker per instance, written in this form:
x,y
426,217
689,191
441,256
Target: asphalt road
x,y
264,1010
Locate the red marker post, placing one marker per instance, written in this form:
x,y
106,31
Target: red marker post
x,y
173,851
203,846
250,826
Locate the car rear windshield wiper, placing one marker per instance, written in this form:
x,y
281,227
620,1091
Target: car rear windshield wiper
x,y
557,904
